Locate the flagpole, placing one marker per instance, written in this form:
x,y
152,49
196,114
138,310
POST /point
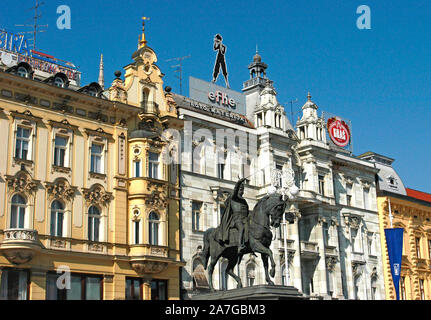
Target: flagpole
x,y
390,212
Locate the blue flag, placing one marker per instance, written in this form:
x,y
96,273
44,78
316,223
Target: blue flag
x,y
394,242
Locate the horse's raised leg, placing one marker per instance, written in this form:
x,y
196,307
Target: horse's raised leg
x,y
265,265
229,271
259,247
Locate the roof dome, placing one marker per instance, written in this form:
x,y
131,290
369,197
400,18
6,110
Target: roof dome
x,y
257,57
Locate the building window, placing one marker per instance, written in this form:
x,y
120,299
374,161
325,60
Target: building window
x,y
349,188
57,217
134,289
354,240
22,143
403,288
429,249
326,233
22,72
60,151
159,290
197,216
136,228
366,198
153,227
322,185
279,170
251,274
137,168
370,244
220,170
14,284
96,158
418,247
82,287
93,223
421,287
18,209
153,165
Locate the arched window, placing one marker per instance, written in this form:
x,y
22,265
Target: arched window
x,y
18,208
137,233
251,274
22,72
153,227
57,217
92,92
93,223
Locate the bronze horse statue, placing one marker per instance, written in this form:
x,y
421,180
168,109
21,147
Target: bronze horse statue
x,y
267,212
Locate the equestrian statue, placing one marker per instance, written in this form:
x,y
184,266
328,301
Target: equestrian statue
x,y
241,232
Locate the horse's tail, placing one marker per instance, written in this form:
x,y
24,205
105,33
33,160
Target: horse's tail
x,y
206,250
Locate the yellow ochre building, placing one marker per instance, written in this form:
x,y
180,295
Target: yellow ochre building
x,y
87,208
411,210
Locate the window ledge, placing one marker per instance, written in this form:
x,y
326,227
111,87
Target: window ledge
x,y
97,175
61,169
23,161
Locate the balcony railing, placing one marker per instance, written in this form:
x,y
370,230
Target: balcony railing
x,y
309,249
12,235
150,107
20,245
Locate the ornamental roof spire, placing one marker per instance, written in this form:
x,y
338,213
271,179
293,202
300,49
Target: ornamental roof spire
x,y
142,41
101,79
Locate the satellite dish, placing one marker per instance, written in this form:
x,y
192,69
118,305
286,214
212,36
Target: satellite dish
x,y
6,58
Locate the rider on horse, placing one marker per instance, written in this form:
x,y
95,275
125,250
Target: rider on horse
x,y
234,216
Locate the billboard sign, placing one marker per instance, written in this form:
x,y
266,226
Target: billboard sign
x,y
216,96
14,49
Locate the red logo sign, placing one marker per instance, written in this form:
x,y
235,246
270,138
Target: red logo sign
x,y
339,132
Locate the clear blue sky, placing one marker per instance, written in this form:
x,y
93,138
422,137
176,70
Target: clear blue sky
x,y
378,78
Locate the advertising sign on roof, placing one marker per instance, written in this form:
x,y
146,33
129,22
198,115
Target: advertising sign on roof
x,y
217,96
339,131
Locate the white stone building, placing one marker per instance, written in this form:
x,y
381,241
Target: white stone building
x,y
334,244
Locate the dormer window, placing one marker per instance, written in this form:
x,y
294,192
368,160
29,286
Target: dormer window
x,y
22,72
59,82
92,92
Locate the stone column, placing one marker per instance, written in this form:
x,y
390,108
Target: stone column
x,y
321,287
296,280
37,284
147,289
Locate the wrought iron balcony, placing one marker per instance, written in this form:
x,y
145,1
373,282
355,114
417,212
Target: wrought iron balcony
x,y
20,245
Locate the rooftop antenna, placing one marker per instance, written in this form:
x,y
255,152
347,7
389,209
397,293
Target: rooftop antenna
x,y
179,69
291,110
35,24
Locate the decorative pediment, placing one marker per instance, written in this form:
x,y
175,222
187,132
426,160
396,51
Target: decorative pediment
x,y
97,195
60,189
156,199
21,182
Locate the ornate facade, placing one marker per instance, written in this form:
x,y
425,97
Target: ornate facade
x,y
83,195
333,247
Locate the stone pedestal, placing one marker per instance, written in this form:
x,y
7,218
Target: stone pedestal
x,y
260,292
